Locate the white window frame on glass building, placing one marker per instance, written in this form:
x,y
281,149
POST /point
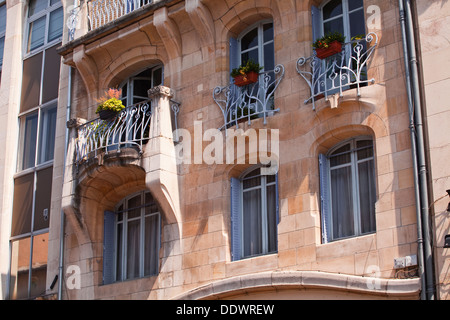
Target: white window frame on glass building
x,y
2,32
35,154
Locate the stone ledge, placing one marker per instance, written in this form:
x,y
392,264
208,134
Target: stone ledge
x,y
288,280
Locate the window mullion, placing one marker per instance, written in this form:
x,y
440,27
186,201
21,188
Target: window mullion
x,y
355,191
264,233
142,239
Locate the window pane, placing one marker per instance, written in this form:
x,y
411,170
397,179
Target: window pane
x,y
251,182
340,156
133,207
250,40
119,252
271,218
140,88
22,205
151,255
250,55
269,57
43,199
20,266
354,4
335,25
47,134
268,32
357,24
133,247
37,6
36,35
31,82
2,47
342,202
51,75
367,196
39,265
367,149
27,151
2,18
157,77
55,27
252,224
332,9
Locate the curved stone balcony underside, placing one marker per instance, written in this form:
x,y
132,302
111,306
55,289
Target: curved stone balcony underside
x,y
305,285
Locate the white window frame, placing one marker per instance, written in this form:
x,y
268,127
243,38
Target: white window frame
x,y
129,82
345,17
3,34
46,12
124,223
260,30
264,214
355,184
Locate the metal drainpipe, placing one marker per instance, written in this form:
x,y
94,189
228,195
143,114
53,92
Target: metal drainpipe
x,y
420,257
418,148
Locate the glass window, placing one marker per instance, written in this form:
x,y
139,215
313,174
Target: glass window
x,y
137,237
259,216
257,45
45,23
352,189
37,130
344,16
2,32
134,89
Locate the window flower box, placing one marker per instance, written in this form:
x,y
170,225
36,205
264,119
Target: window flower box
x,y
246,73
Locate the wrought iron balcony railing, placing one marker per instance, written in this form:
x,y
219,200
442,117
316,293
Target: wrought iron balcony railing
x,y
251,101
343,71
101,12
130,128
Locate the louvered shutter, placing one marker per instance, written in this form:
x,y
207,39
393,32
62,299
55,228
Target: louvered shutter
x,y
236,219
324,198
108,247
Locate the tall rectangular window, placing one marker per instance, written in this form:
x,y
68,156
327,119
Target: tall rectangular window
x,y
254,215
2,34
348,191
37,132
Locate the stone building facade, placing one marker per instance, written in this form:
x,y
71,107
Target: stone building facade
x,y
306,184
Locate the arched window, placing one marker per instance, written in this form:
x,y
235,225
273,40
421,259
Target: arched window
x,y
134,89
254,214
344,16
257,45
132,239
348,191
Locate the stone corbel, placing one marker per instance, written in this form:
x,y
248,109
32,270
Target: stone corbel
x,y
87,69
169,33
204,25
159,159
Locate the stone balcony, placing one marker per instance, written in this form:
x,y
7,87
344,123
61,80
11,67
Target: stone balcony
x,y
130,128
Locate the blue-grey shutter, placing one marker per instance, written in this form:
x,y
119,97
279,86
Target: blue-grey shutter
x,y
234,53
235,219
108,247
277,200
324,198
316,20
